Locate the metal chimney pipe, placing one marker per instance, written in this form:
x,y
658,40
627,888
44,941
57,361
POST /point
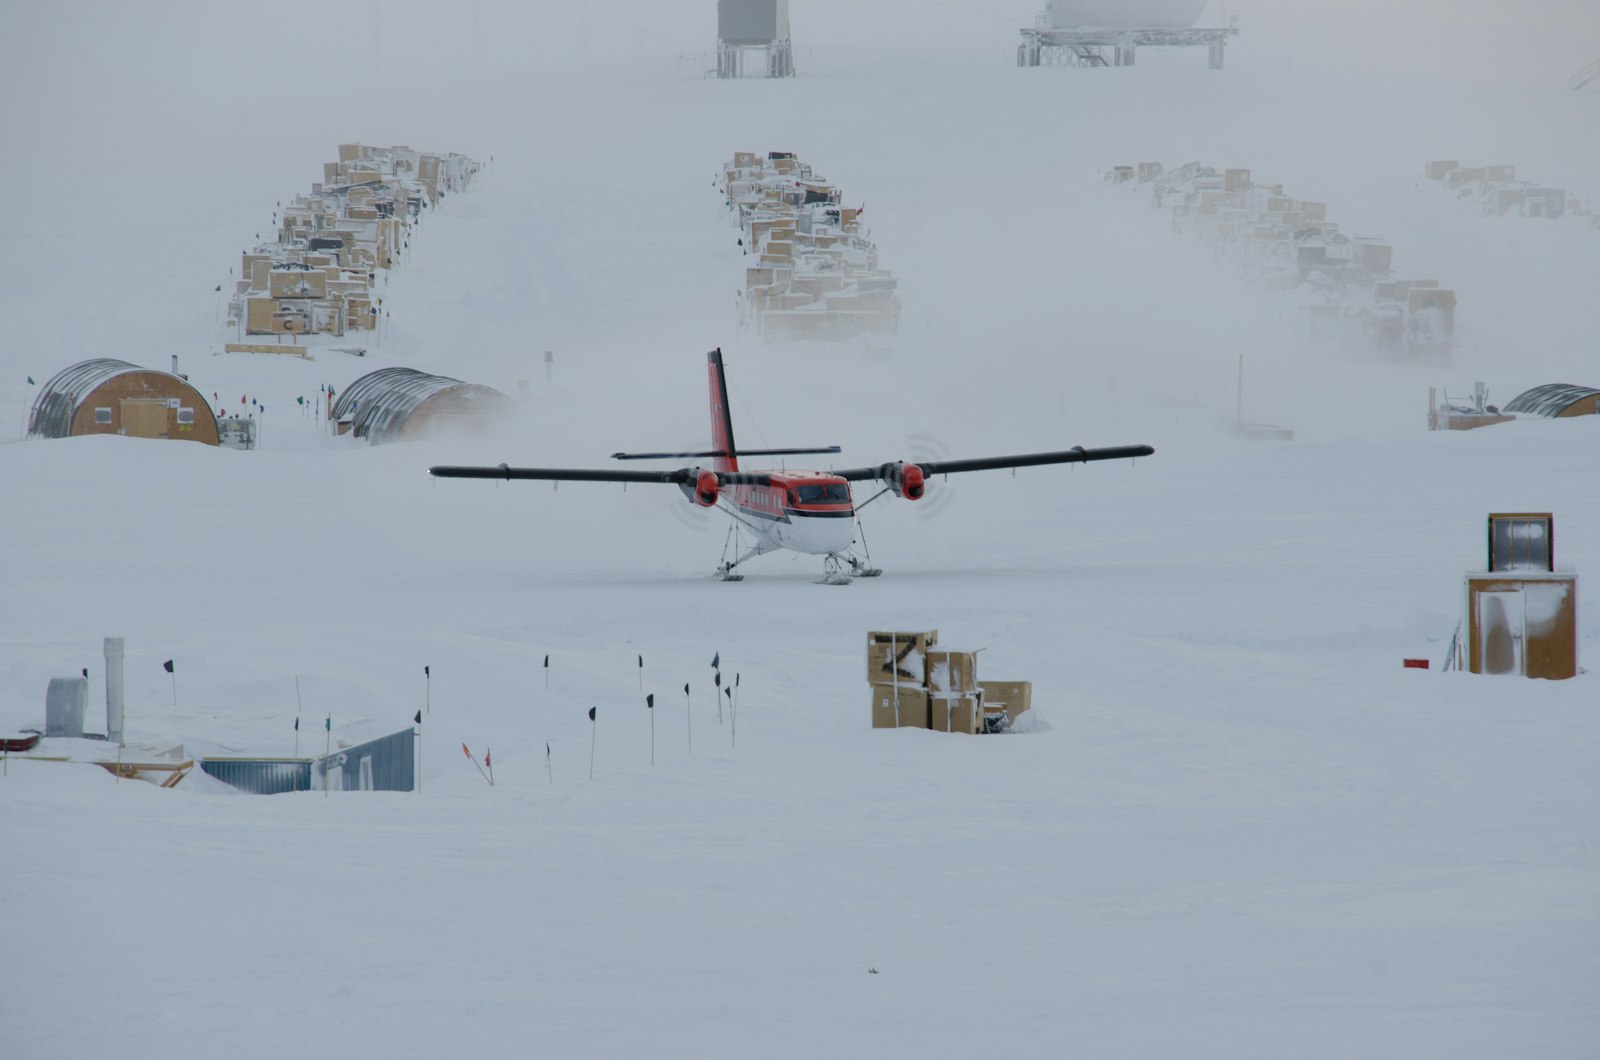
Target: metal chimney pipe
x,y
114,689
174,364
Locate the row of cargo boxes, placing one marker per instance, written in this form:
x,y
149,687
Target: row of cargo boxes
x,y
318,275
1498,191
1285,243
815,274
917,685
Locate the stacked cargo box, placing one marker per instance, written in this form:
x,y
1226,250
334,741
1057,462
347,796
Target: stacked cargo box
x,y
916,684
1496,190
318,275
1286,243
815,275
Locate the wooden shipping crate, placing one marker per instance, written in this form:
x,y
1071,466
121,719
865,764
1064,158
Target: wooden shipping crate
x,y
958,712
899,707
1015,696
952,671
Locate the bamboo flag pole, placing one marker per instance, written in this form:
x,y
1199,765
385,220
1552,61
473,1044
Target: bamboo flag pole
x,y
418,720
547,683
650,705
728,692
641,673
548,768
688,716
427,688
172,669
592,727
716,679
475,765
327,727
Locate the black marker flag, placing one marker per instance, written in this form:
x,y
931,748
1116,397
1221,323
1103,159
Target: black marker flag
x,y
167,666
716,661
547,673
591,713
418,718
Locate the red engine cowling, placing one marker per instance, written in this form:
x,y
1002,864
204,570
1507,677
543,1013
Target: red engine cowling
x,y
702,487
905,479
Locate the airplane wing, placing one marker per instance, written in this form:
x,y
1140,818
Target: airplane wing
x,y
1075,455
681,477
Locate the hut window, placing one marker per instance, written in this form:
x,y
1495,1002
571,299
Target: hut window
x,y
102,415
185,415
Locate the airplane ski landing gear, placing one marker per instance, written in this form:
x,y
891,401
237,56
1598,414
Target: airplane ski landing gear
x,y
725,572
861,567
858,569
834,571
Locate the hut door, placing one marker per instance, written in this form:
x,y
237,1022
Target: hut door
x,y
144,418
1501,621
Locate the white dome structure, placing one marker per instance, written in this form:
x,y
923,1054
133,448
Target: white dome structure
x,y
1124,14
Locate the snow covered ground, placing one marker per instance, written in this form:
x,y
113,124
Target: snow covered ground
x,y
1238,827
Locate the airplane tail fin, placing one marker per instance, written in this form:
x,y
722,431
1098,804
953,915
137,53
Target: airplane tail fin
x,y
721,415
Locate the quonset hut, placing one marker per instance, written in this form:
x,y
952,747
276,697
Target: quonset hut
x,y
1556,400
106,396
401,404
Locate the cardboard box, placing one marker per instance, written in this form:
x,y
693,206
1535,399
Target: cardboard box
x,y
899,707
1376,255
1236,179
1440,170
1500,174
898,657
952,671
959,712
1313,211
297,283
1015,696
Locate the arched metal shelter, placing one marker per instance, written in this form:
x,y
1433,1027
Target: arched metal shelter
x,y
108,396
394,404
1556,400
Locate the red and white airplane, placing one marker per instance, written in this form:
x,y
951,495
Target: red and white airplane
x,y
804,511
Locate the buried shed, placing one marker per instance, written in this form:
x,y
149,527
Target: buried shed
x,y
1556,400
400,404
106,396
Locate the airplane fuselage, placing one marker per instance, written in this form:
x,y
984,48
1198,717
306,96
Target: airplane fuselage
x,y
804,511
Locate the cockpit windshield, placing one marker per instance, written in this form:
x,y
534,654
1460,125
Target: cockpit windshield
x,y
822,493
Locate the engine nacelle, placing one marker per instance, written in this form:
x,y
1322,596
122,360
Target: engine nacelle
x,y
702,487
904,478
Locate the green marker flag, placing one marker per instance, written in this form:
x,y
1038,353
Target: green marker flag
x,y
327,726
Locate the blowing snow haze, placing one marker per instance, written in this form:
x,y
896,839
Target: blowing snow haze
x,y
1234,826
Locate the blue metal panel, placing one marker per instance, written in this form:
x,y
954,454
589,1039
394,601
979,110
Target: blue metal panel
x,y
390,760
261,776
